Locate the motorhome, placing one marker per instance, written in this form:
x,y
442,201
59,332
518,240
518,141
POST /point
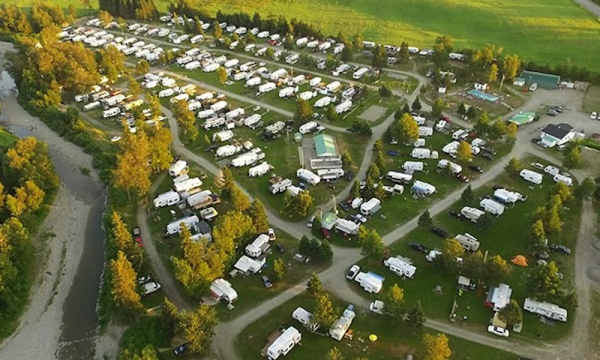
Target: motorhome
x,y
307,95
370,282
425,131
178,168
252,120
265,88
471,213
284,343
507,197
180,97
398,177
175,227
111,112
330,174
422,188
292,58
280,186
221,289
346,226
468,242
228,150
322,102
169,198
370,207
277,74
413,165
91,106
421,153
203,199
546,309
187,186
492,207
308,176
358,74
563,179
254,81
454,168
333,87
210,67
166,93
197,39
259,246
314,81
308,127
221,136
346,105
259,170
401,266
287,92
305,318
248,265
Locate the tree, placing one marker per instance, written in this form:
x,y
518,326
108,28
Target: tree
x,y
511,133
440,56
425,220
482,125
132,172
239,200
332,115
513,167
434,347
467,196
573,159
586,189
498,129
553,222
358,42
123,241
378,145
373,172
305,202
408,129
124,285
160,139
394,303
142,67
511,314
28,159
355,192
279,270
379,191
185,118
324,313
379,57
346,55
334,354
403,53
416,317
495,270
217,31
222,74
416,105
510,66
105,17
438,108
464,154
462,109
304,112
314,285
259,217
537,235
372,245
492,73
347,160
134,87
447,261
544,282
198,328
563,191
385,90
473,266
270,53
485,221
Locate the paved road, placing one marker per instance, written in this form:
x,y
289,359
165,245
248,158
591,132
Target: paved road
x,y
590,6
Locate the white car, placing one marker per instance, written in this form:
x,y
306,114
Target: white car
x,y
361,218
352,272
115,138
594,116
150,287
377,307
498,331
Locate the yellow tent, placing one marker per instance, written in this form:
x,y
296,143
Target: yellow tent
x,y
519,260
373,337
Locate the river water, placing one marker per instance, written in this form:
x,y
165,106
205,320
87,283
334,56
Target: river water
x,y
79,326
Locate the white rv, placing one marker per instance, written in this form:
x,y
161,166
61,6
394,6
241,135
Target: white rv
x,y
454,168
252,120
531,176
425,131
253,81
358,74
422,188
91,106
322,102
248,158
227,150
111,112
265,88
166,93
287,91
420,153
188,185
284,343
314,81
492,207
221,136
248,265
370,207
221,289
370,282
340,326
344,106
178,168
169,198
307,95
305,318
508,197
398,177
280,186
259,246
259,170
413,165
346,226
471,213
308,176
308,127
211,67
468,242
175,226
563,179
548,310
401,266
330,174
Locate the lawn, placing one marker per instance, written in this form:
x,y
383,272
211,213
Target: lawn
x,y
394,342
506,238
548,30
591,101
6,138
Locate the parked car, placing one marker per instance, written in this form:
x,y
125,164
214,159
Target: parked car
x,y
326,233
462,178
455,214
136,231
310,222
537,165
361,218
560,249
476,168
149,288
594,116
354,269
418,247
344,206
551,112
280,248
266,282
557,108
349,175
137,236
393,153
496,330
440,232
488,156
181,349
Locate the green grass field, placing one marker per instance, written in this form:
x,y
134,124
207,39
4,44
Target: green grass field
x,y
547,30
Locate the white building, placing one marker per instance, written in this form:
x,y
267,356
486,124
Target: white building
x,y
498,297
556,135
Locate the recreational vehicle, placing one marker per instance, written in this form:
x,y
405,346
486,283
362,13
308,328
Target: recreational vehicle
x,y
471,213
492,207
413,165
280,186
546,309
340,326
308,176
531,176
370,207
221,289
178,168
284,343
401,266
175,226
259,170
398,177
370,282
468,242
259,246
188,185
422,188
169,198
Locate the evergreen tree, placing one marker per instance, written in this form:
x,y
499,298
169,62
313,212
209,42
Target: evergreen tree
x,y
425,220
416,317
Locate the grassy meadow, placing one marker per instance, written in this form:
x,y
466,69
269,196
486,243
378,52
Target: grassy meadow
x,y
548,30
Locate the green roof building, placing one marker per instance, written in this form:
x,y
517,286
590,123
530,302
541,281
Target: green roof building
x,y
325,146
544,81
522,118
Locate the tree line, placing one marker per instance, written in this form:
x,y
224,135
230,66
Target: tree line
x,y
27,183
130,9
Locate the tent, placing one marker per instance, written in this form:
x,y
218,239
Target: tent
x,y
519,260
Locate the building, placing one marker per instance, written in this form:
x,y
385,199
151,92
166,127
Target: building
x,y
325,146
543,80
498,297
522,118
556,135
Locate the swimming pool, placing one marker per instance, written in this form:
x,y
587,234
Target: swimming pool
x,y
484,96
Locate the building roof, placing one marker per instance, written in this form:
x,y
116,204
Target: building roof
x,y
557,131
325,145
523,117
328,220
499,296
544,81
203,227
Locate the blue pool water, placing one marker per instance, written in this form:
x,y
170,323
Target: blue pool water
x,y
484,96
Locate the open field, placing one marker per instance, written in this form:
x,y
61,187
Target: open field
x,y
505,238
548,30
394,342
591,101
6,138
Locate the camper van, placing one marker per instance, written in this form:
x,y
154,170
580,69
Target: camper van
x,y
492,207
531,176
169,198
370,282
471,213
178,168
401,266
